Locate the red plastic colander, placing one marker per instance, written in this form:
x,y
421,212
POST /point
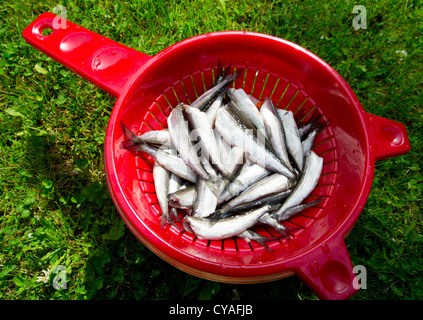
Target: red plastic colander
x,y
148,87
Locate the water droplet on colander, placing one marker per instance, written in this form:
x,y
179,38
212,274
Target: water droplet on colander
x,y
314,268
325,248
97,63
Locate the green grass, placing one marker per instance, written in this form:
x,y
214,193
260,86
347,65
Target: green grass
x,y
55,208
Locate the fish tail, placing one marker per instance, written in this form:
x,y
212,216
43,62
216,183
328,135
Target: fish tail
x,y
300,115
314,202
168,219
283,235
165,220
289,230
289,212
315,116
321,124
219,74
129,145
174,214
227,68
133,139
317,122
262,241
234,75
127,132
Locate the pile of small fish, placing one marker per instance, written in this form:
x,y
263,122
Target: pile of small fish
x,y
231,162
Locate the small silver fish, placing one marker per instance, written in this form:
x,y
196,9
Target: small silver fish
x,y
274,130
249,175
208,229
205,201
175,184
234,161
309,134
180,135
313,165
203,131
244,119
206,99
273,199
223,145
292,137
170,161
161,184
255,166
236,135
305,129
183,198
212,110
307,143
243,101
316,122
156,137
272,184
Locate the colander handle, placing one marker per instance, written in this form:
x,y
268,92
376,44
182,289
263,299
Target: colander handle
x,y
108,64
388,138
328,272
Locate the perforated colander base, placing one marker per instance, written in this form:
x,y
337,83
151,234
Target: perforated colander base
x,y
261,84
